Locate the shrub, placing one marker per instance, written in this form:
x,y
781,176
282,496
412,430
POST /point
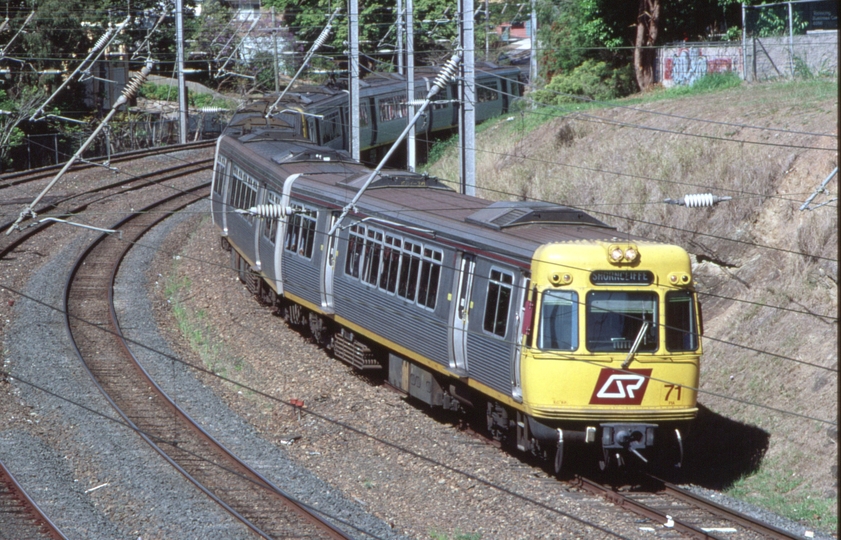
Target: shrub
x,y
591,81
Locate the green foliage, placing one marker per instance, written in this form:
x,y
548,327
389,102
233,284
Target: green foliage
x,y
590,81
734,33
166,92
774,489
710,82
307,18
773,21
573,31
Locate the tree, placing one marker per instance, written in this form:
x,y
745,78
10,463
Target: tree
x,y
13,112
648,20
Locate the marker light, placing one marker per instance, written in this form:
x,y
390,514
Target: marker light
x,y
616,254
630,254
558,278
679,278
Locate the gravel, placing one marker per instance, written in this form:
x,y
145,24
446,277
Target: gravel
x,y
77,445
134,309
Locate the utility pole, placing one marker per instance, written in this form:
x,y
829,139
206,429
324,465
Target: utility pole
x,y
182,86
400,37
467,95
410,79
487,31
274,45
353,36
533,40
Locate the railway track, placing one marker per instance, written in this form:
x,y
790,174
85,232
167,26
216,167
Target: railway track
x,y
21,517
91,321
32,175
687,514
68,205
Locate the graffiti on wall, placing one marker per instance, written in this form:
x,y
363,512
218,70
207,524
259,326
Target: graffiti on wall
x,y
688,65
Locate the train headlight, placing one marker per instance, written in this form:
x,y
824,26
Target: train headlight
x,y
623,254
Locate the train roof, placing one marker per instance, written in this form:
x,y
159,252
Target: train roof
x,y
417,202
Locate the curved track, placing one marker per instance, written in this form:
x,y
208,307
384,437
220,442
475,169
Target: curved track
x,y
32,175
91,321
22,518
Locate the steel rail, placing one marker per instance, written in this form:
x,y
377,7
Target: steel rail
x,y
43,523
676,523
720,510
135,184
158,441
43,172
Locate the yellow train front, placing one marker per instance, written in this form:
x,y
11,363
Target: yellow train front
x,y
611,354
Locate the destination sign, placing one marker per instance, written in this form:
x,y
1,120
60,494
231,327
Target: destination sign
x,y
621,277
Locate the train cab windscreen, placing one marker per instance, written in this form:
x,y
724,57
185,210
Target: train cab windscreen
x,y
614,320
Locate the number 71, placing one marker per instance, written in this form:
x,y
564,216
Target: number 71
x,y
672,387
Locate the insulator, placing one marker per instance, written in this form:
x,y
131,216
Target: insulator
x,y
448,71
101,41
271,211
698,200
322,38
132,87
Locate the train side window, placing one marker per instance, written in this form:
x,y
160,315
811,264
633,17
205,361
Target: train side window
x,y
558,321
681,327
331,128
300,233
409,266
500,287
430,274
373,254
391,264
243,190
392,108
487,91
356,244
221,169
270,224
364,119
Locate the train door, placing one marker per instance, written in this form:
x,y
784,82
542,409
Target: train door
x,y
329,266
466,266
312,130
258,228
524,319
281,231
